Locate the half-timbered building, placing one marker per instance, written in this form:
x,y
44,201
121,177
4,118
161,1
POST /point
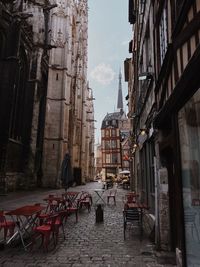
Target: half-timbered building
x,y
165,94
114,133
177,40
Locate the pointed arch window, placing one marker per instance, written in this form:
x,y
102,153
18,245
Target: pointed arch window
x,y
18,101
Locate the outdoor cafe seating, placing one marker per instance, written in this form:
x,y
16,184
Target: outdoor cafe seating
x,y
43,221
48,228
25,218
133,212
29,222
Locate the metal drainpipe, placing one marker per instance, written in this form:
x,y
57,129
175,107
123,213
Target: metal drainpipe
x,y
157,231
81,133
131,174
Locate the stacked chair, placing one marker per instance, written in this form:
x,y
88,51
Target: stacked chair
x,y
50,222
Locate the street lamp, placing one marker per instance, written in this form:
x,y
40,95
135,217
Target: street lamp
x,y
143,131
135,145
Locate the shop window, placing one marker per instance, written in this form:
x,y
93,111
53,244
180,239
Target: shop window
x,y
189,134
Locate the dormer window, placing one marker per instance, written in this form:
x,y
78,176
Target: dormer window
x,y
113,122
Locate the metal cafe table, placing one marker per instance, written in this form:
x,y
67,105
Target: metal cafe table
x,y
25,218
71,196
54,203
99,193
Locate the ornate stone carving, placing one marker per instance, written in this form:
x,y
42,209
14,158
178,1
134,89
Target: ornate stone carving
x,y
62,9
59,39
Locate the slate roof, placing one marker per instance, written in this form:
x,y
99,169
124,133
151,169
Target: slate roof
x,y
110,117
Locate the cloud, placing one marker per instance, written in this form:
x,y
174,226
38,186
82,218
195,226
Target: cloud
x,y
103,74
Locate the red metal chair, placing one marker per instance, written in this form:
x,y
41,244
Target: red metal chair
x,y
60,222
52,205
42,216
6,225
112,195
48,228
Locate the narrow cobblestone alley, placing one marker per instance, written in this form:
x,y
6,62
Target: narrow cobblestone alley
x,y
87,243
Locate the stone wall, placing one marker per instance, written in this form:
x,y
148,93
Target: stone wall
x,y
19,181
149,225
164,220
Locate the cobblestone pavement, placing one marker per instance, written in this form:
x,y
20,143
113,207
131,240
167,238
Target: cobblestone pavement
x,y
87,244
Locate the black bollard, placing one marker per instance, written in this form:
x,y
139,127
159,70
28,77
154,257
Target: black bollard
x,y
99,214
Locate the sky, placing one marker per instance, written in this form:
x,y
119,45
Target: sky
x,y
109,33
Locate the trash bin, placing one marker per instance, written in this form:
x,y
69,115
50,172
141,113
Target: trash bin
x,y
99,213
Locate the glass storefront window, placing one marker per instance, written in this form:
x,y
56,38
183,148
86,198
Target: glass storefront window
x,y
189,134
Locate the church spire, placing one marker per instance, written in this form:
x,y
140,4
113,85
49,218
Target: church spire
x,y
120,98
